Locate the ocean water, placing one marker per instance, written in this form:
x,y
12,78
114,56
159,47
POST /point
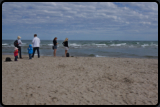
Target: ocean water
x,y
91,48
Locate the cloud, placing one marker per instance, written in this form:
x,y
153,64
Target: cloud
x,y
146,23
146,6
108,4
59,11
77,16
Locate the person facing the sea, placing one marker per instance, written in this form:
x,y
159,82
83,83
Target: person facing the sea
x,y
55,46
65,44
15,53
19,47
30,51
36,45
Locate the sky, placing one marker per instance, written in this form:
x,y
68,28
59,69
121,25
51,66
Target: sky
x,y
80,20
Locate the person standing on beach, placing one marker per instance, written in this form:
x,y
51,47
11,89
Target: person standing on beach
x,y
30,51
15,53
36,45
55,46
65,43
19,46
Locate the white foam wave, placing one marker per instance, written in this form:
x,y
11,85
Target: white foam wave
x,y
121,44
100,44
50,44
93,44
5,44
144,45
99,56
74,45
154,45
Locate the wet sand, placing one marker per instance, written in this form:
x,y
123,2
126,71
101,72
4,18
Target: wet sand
x,y
79,81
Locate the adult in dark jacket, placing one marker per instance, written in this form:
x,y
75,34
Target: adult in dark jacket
x,y
65,44
55,46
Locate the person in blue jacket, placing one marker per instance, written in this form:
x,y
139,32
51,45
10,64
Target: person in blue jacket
x,y
30,51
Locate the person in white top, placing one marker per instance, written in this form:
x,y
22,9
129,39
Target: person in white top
x,y
19,46
36,45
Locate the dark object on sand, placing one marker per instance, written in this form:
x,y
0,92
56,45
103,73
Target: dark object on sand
x,y
67,54
8,59
72,56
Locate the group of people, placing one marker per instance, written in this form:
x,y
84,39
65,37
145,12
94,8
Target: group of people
x,y
65,44
36,45
31,51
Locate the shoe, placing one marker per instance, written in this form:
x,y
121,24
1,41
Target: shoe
x,y
21,58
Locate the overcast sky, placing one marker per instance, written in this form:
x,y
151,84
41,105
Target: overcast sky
x,y
80,20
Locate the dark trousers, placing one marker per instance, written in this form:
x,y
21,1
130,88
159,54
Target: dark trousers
x,y
15,58
19,51
30,56
34,49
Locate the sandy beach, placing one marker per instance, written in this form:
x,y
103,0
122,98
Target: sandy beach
x,y
79,81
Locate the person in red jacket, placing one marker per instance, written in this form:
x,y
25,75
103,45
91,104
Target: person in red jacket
x,y
16,53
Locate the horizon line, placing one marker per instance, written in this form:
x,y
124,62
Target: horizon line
x,y
88,40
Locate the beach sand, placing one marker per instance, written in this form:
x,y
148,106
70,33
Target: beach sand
x,y
79,81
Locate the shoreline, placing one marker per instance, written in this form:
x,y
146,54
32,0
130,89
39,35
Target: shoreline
x,y
79,81
147,57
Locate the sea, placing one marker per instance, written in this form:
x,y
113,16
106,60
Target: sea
x,y
90,48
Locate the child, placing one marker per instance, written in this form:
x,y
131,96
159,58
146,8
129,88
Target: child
x,y
30,51
16,53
